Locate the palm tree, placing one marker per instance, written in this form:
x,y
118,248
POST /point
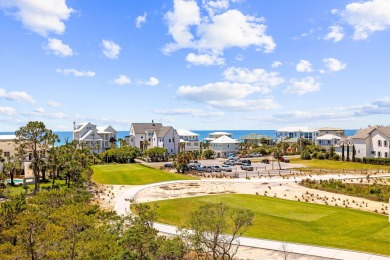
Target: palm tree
x,y
13,166
112,142
278,153
182,147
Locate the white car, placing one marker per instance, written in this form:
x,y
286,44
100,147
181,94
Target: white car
x,y
226,168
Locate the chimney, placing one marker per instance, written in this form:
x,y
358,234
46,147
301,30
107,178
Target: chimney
x,y
74,125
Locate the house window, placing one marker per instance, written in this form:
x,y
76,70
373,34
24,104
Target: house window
x,y
169,140
379,143
171,150
385,143
188,144
7,154
142,137
386,155
372,152
379,154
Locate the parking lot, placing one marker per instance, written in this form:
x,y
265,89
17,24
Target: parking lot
x,y
259,168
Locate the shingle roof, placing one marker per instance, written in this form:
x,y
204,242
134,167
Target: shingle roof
x,y
254,136
163,131
365,132
329,129
139,128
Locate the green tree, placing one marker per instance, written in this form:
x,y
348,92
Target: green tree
x,y
342,152
353,153
208,154
348,153
13,166
216,228
278,153
182,160
112,142
36,139
157,154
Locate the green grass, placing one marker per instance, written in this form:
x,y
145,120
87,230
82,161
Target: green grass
x,y
132,174
19,189
293,221
338,165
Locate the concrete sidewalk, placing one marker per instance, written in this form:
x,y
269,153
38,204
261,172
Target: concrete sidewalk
x,y
122,207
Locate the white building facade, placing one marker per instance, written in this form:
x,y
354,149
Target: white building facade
x,y
96,138
372,142
296,132
224,146
327,140
189,141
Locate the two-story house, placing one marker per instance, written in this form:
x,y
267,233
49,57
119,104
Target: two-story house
x,y
189,141
96,138
150,135
372,142
296,132
224,146
214,135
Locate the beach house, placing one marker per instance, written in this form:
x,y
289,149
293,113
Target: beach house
x,y
296,132
150,135
372,141
330,130
189,141
98,139
327,140
255,138
214,135
223,146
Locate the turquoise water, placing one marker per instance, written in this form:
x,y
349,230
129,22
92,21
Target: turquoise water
x,y
16,181
202,134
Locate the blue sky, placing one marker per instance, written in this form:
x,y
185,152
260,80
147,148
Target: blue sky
x,y
206,64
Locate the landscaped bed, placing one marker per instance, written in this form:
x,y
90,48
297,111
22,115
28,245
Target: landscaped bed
x,y
132,174
294,221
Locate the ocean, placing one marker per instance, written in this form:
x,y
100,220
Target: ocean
x,y
63,135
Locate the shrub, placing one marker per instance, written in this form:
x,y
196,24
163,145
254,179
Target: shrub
x,y
305,155
336,157
320,156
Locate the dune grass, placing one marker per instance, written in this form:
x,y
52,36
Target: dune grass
x,y
294,221
132,174
338,165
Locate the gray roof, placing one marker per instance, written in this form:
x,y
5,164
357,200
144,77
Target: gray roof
x,y
254,136
139,128
163,131
364,133
329,129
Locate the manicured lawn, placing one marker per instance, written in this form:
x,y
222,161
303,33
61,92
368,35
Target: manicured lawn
x,y
293,221
132,174
338,165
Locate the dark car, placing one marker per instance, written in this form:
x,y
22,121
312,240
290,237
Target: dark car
x,y
168,165
265,161
246,161
284,159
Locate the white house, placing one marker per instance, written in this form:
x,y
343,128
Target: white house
x,y
189,141
372,142
327,140
223,146
96,138
212,136
296,132
150,135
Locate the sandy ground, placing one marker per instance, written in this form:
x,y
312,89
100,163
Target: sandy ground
x,y
106,196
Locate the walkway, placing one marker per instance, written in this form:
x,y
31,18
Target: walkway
x,y
122,207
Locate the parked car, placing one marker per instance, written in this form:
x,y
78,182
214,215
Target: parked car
x,y
265,161
168,165
247,162
226,168
284,159
198,168
255,155
238,162
246,167
193,164
208,168
217,168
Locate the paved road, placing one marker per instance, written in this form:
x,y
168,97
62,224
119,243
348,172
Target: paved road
x,y
123,205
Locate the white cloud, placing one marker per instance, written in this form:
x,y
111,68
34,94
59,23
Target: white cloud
x,y
234,29
216,32
41,112
16,96
381,106
76,73
367,17
42,17
110,49
140,20
303,86
57,47
122,80
336,33
152,82
276,64
185,14
249,105
205,59
258,77
334,65
52,103
7,111
304,66
188,112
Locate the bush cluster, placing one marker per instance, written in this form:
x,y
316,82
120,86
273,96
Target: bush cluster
x,y
376,161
